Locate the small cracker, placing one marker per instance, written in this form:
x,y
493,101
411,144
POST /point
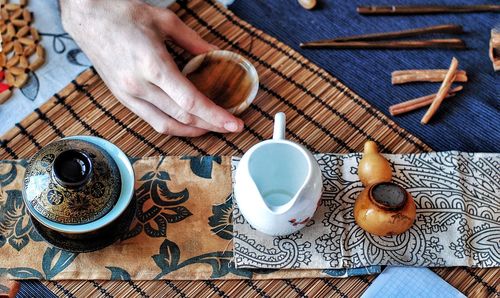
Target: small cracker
x,y
20,49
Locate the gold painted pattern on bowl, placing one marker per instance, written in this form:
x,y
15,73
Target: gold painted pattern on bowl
x,y
72,206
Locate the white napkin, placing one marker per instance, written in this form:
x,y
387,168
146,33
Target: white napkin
x,y
410,281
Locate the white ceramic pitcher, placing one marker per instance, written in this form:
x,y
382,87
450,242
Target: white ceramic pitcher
x,y
278,184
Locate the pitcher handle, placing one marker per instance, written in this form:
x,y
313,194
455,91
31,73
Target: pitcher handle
x,y
279,126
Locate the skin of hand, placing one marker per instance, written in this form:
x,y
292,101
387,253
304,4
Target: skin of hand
x,y
124,39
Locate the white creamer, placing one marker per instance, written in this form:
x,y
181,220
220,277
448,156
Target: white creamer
x,y
278,184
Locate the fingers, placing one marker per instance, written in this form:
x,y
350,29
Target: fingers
x,y
159,120
188,98
178,87
162,101
182,35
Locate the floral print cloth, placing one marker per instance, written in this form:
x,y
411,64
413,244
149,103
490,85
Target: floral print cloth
x,y
457,224
182,230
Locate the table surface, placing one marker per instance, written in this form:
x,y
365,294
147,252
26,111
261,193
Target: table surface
x,y
448,132
468,122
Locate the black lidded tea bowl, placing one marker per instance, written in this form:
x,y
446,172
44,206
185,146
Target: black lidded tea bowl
x,y
79,193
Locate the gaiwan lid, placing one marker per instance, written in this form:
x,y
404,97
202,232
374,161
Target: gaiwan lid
x,y
72,182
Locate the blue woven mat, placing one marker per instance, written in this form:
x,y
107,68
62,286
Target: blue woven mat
x,y
468,122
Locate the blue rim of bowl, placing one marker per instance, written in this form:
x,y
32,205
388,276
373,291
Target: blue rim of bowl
x,y
126,193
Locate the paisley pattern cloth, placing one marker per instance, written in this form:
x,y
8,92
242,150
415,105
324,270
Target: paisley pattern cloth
x,y
182,230
457,224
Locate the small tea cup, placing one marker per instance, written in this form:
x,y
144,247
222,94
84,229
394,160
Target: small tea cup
x,y
225,77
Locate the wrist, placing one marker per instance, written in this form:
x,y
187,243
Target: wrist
x,y
69,5
75,14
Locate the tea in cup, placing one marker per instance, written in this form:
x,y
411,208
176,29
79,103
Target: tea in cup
x,y
228,79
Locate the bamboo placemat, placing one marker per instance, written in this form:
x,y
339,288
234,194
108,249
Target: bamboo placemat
x,y
322,114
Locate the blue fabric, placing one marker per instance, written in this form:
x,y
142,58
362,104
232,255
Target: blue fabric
x,y
34,288
467,122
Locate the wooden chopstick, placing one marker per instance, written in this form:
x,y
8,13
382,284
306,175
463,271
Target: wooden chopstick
x,y
447,28
449,43
425,9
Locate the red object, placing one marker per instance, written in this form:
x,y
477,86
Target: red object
x,y
294,222
304,221
3,87
2,75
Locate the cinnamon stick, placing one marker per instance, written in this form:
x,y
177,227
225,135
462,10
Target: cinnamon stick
x,y
417,103
424,75
425,9
448,43
443,90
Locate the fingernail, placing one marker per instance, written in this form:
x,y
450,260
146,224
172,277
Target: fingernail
x,y
231,126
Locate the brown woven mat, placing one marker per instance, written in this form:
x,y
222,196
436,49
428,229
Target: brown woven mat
x,y
322,114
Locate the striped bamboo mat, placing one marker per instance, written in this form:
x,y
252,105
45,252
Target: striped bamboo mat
x,y
322,114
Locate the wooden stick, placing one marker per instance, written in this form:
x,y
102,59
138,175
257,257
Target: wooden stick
x,y
419,100
424,75
5,95
424,101
448,28
15,286
449,43
425,9
418,103
443,90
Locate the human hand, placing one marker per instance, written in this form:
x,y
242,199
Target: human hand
x,y
124,39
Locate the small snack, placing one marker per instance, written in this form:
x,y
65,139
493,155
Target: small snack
x,y
424,75
443,91
307,4
383,208
21,51
495,48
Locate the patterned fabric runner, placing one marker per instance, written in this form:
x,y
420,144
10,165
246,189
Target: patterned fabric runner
x,y
323,115
180,231
457,224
